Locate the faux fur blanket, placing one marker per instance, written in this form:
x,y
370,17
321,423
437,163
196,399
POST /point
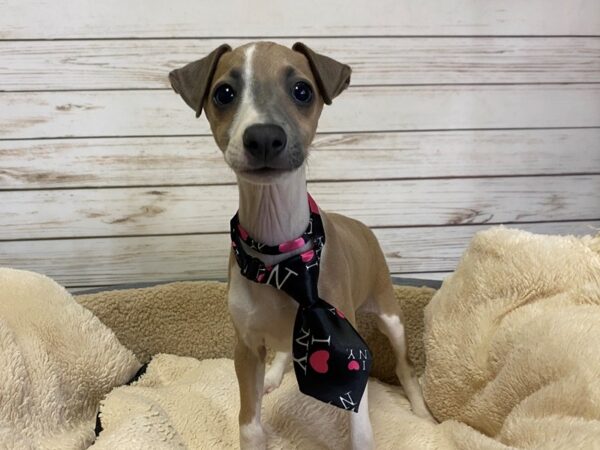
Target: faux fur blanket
x,y
57,361
513,344
511,341
183,403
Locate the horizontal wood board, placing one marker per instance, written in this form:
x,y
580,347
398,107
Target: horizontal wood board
x,y
107,261
386,108
49,19
144,64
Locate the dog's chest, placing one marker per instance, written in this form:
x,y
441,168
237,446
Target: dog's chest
x,y
261,313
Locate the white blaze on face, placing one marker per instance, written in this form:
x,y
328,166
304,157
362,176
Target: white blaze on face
x,y
247,114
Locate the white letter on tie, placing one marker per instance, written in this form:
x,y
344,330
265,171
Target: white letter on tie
x,y
275,272
302,340
347,401
300,363
328,340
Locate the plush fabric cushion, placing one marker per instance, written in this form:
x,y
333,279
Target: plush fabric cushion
x,y
57,360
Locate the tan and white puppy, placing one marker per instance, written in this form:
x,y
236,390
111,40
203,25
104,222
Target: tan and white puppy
x,y
263,102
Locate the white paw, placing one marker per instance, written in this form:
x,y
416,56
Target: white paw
x,y
253,437
273,379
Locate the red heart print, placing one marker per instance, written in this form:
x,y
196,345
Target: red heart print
x,y
353,365
318,361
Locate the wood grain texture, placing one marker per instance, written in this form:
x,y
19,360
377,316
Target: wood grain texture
x,y
48,19
350,156
416,275
97,262
442,90
194,209
126,64
429,249
391,108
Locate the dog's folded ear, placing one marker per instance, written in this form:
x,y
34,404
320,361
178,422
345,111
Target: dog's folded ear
x,y
193,80
332,76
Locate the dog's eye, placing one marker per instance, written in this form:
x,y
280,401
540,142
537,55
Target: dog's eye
x,y
224,95
302,92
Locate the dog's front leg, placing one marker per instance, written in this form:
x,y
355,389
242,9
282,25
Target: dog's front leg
x,y
250,371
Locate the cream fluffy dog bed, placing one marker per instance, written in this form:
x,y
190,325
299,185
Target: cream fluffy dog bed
x,y
511,340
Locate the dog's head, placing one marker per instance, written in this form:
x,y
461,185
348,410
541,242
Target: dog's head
x,y
263,102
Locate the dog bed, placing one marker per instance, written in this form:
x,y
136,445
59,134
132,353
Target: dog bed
x,y
511,341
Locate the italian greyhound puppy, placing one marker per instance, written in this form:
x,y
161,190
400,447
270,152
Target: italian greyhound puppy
x,y
263,103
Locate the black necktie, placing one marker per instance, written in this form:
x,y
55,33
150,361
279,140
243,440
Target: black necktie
x,y
331,360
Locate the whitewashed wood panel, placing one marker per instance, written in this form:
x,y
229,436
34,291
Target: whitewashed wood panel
x,y
107,162
127,113
436,249
193,209
49,19
124,64
91,262
438,276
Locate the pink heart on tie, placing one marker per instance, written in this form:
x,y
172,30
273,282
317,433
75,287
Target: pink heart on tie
x,y
318,361
307,256
353,365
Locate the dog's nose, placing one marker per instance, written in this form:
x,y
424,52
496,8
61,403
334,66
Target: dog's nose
x,y
264,141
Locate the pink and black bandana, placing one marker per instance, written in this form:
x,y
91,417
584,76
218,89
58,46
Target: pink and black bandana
x,y
332,362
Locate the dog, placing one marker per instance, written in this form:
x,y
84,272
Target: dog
x,y
263,103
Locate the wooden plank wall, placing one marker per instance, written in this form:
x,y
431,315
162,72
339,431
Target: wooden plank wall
x,y
462,114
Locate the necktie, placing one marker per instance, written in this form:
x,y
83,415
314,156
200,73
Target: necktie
x,y
331,361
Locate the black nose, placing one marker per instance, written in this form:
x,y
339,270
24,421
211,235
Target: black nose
x,y
264,141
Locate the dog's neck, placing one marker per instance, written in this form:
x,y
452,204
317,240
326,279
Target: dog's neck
x,y
275,213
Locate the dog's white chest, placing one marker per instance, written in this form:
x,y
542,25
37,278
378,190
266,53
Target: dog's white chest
x,y
262,314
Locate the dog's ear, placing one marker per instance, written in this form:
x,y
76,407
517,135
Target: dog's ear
x,y
332,76
193,80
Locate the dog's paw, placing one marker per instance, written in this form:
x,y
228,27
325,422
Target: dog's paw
x,y
253,437
273,379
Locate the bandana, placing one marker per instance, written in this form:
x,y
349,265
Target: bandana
x,y
331,361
